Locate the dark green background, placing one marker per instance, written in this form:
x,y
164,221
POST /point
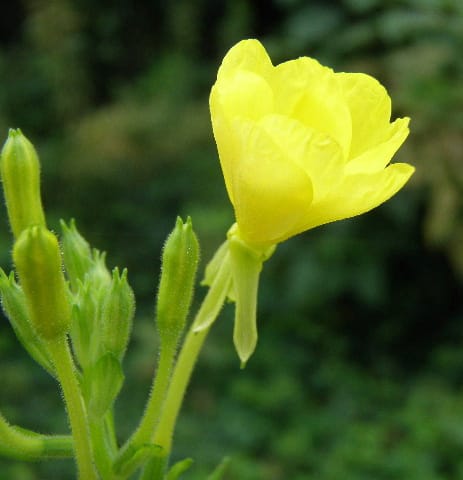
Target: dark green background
x,y
359,368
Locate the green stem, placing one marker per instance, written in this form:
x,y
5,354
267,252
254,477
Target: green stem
x,y
163,435
101,446
24,444
65,369
152,413
180,379
186,361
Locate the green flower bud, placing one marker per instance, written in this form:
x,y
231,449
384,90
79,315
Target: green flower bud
x,y
99,276
117,315
102,383
84,324
15,308
77,255
20,172
89,301
36,255
179,264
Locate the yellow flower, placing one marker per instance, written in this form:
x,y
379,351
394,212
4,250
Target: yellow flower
x,y
301,145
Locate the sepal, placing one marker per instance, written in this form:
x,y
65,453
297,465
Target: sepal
x,y
220,470
246,264
178,468
219,279
134,458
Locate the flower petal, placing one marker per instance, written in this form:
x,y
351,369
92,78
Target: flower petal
x,y
247,55
310,93
244,94
315,152
272,194
360,193
379,156
370,109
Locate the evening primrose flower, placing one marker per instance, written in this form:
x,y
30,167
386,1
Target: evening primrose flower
x,y
301,145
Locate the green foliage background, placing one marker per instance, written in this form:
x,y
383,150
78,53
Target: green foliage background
x,y
359,369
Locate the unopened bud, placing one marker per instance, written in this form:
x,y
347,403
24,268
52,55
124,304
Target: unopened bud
x,y
102,383
179,264
77,255
37,258
20,172
99,277
84,324
117,314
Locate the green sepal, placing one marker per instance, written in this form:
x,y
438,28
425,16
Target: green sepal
x,y
212,269
218,277
135,458
220,470
37,258
179,265
178,468
117,314
77,255
15,308
102,383
20,172
246,264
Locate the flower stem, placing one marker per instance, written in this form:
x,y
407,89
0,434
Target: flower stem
x,y
101,447
186,361
180,379
24,444
152,413
65,369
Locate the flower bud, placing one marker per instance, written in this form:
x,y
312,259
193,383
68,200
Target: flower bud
x,y
102,383
20,172
77,255
15,308
84,324
37,258
179,264
99,276
89,299
117,315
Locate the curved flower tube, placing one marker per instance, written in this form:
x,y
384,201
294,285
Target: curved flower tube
x,y
301,145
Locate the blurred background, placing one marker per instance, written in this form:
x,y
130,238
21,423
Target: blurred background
x,y
358,373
